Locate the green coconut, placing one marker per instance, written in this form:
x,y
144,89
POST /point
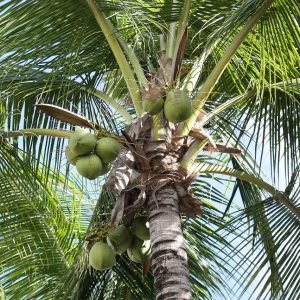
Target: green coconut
x,y
139,250
89,166
140,228
107,149
153,101
71,157
178,106
120,238
101,256
82,142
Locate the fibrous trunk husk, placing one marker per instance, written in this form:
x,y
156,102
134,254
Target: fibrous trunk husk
x,y
145,166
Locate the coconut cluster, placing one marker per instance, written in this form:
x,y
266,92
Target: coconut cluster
x,y
177,105
91,156
134,239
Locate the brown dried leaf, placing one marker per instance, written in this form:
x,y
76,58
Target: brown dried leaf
x,y
65,115
146,266
139,202
190,205
225,149
139,155
118,210
180,52
139,127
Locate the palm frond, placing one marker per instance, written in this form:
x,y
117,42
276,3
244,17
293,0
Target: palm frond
x,y
259,269
40,228
262,231
261,62
255,232
266,124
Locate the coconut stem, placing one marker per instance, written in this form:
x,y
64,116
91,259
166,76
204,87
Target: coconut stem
x,y
183,22
192,153
192,77
135,63
171,41
159,130
162,43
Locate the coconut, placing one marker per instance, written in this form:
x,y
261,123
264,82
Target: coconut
x,y
140,228
101,256
89,166
139,250
82,142
120,238
107,149
71,157
153,101
178,106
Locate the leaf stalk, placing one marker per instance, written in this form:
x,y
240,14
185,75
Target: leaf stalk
x,y
35,132
128,74
217,169
221,65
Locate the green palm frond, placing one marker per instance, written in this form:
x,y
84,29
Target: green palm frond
x,y
39,231
282,242
263,61
266,124
206,251
268,225
255,232
251,197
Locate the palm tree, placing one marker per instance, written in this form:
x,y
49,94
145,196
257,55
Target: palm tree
x,y
217,225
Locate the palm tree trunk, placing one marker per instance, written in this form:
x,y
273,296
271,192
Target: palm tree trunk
x,y
169,257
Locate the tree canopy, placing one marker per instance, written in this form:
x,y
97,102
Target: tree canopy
x,y
247,240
